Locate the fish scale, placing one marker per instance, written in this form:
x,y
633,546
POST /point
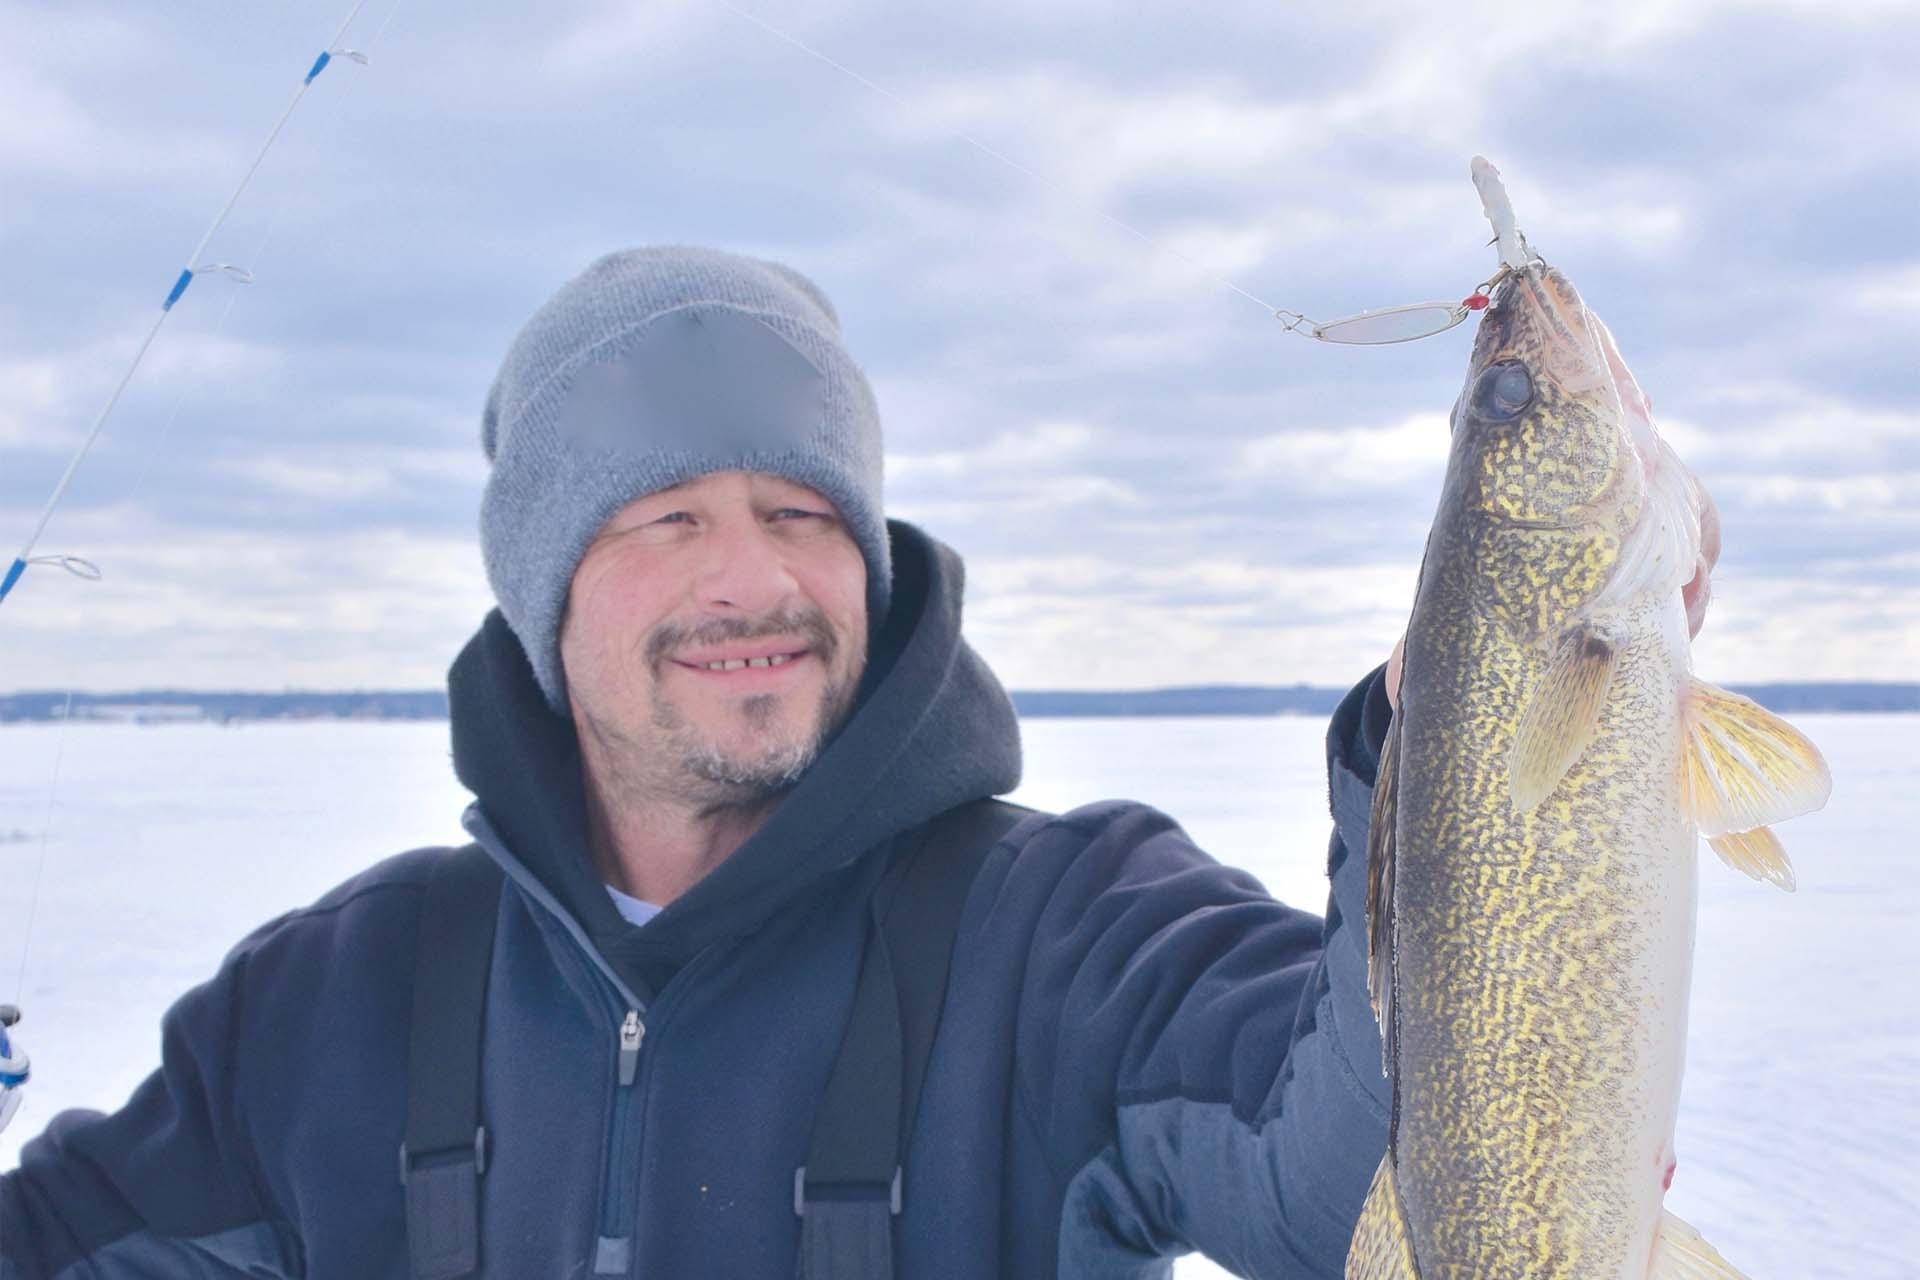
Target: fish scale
x,y
1528,1052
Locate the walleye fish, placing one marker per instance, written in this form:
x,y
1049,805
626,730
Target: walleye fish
x,y
1533,854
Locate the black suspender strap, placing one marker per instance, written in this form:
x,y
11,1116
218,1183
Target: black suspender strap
x,y
445,1151
848,1192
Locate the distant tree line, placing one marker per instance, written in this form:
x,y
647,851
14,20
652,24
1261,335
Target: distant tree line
x,y
168,705
162,706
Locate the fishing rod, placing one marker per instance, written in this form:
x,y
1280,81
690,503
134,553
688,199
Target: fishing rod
x,y
193,269
15,1067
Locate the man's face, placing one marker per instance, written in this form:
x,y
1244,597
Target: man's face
x,y
714,636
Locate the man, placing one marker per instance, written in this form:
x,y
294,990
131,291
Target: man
x,y
719,697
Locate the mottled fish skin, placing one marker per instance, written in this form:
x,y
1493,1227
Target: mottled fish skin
x,y
1540,960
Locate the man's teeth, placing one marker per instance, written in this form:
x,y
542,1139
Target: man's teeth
x,y
734,664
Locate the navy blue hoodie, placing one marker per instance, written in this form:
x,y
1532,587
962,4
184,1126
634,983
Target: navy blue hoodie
x,y
1141,1053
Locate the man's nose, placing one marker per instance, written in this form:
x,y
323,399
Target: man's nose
x,y
742,567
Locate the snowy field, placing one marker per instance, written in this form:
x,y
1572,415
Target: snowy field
x,y
1799,1135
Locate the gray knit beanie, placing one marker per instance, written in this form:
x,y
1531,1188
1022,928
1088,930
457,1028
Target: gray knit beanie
x,y
651,367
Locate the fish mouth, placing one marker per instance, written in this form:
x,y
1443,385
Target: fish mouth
x,y
1542,320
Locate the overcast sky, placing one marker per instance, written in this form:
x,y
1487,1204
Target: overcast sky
x,y
1152,484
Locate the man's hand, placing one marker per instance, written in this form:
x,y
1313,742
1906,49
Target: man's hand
x,y
13,1066
1695,595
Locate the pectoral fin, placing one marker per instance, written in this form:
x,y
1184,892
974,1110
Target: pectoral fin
x,y
1561,717
1745,769
1382,1247
1681,1253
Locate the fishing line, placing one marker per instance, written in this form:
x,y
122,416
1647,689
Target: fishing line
x,y
240,276
40,863
1011,163
85,568
181,282
39,869
213,334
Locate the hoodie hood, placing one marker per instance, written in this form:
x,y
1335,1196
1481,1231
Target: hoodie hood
x,y
932,728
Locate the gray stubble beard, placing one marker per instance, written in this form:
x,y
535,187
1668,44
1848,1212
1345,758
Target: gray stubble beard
x,y
698,772
732,782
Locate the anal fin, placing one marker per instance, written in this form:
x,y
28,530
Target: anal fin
x,y
1681,1253
1382,1248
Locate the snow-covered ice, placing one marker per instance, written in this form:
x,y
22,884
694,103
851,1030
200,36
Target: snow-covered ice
x,y
162,846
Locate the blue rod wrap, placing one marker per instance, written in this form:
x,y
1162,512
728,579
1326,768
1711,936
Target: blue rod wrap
x,y
179,287
319,65
13,576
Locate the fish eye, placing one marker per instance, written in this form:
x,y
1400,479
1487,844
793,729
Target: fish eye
x,y
1505,389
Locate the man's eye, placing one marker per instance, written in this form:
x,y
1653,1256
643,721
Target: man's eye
x,y
679,517
785,513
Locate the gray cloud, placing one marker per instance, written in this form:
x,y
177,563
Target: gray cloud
x,y
1133,456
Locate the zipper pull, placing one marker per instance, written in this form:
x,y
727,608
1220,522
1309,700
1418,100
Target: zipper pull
x,y
631,1033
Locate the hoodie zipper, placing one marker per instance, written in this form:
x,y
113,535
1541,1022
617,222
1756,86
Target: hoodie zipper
x,y
620,1183
619,1192
620,1204
619,1186
632,1032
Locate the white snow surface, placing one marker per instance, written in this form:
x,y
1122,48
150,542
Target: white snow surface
x,y
157,848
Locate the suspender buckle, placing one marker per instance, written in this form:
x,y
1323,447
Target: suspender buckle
x,y
844,1191
443,1208
453,1155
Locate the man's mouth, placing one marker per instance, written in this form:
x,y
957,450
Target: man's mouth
x,y
743,657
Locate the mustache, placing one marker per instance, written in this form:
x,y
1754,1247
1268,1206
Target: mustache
x,y
810,624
